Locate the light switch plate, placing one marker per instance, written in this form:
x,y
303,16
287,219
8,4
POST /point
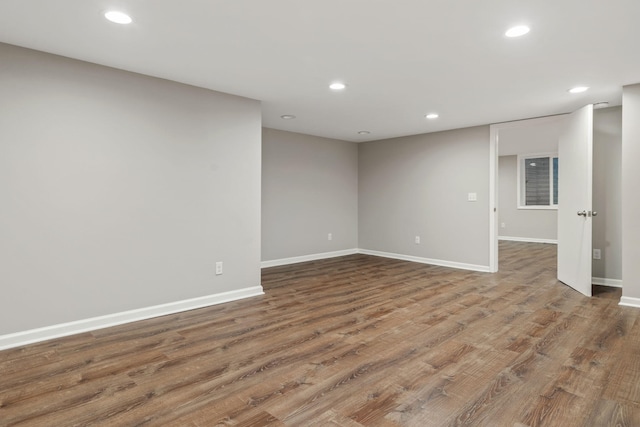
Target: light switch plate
x,y
472,197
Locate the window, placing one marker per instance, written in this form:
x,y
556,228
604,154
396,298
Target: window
x,y
538,181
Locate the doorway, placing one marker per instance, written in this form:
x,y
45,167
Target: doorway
x,y
522,150
607,233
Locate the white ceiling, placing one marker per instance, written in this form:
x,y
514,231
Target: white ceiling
x,y
400,59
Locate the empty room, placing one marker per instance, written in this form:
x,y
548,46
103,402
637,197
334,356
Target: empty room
x,y
304,213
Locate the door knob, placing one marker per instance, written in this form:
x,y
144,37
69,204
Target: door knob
x,y
594,213
582,213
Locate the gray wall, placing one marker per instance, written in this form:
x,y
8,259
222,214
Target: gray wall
x,y
418,186
607,158
531,136
630,200
521,223
120,191
309,189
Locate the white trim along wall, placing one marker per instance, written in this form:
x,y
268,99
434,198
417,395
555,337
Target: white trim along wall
x,y
86,325
306,258
528,240
630,302
422,260
430,261
601,281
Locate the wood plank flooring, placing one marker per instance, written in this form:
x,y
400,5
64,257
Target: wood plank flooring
x,y
351,341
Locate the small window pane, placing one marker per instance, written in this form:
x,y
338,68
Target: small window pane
x,y
555,180
537,186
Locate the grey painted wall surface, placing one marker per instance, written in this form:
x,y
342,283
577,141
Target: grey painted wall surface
x,y
607,187
523,223
418,186
120,191
630,199
531,136
309,189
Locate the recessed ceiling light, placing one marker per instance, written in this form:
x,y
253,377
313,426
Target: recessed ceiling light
x,y
337,86
287,116
579,89
603,104
118,17
432,116
364,132
517,31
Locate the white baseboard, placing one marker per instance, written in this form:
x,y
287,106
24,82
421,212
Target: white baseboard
x,y
630,302
305,258
85,325
614,283
313,257
528,240
441,263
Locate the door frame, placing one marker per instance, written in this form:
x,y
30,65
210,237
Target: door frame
x,y
494,154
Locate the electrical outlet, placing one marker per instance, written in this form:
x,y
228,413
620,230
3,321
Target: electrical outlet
x,y
417,240
597,254
472,197
503,225
329,236
218,268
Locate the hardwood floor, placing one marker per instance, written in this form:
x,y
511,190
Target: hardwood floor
x,y
351,341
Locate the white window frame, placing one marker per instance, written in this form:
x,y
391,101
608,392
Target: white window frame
x,y
521,181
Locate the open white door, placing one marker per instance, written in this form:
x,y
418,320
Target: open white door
x,y
575,155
